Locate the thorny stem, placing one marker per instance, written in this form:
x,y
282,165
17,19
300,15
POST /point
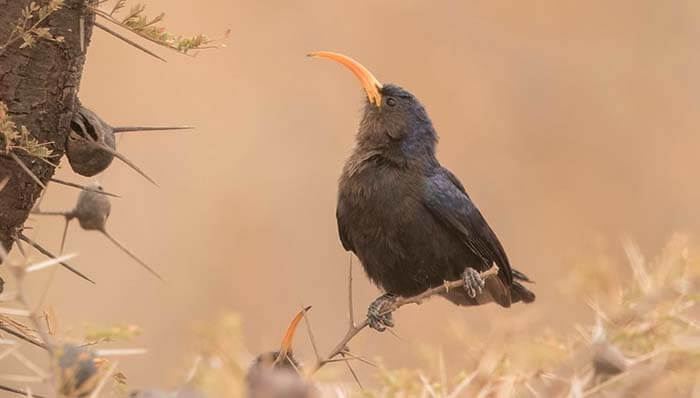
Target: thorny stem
x,y
63,237
19,392
32,314
352,371
48,254
354,330
54,213
307,322
132,255
111,19
81,187
26,170
22,337
19,275
123,159
128,41
130,129
351,311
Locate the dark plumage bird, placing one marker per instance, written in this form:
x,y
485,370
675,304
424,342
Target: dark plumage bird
x,y
276,374
408,219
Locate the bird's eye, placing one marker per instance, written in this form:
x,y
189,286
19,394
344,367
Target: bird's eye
x,y
391,101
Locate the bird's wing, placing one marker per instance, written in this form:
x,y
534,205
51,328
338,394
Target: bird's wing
x,y
447,200
342,219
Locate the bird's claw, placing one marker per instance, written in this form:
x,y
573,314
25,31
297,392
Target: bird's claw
x,y
377,319
473,283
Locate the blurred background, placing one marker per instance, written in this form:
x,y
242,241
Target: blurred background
x,y
572,125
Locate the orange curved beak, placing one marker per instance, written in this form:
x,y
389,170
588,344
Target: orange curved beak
x,y
289,335
367,79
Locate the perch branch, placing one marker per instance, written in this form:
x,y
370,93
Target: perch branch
x,y
354,330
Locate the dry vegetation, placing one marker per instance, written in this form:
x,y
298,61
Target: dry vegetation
x,y
644,341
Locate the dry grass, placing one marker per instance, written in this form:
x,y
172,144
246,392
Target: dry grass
x,y
645,341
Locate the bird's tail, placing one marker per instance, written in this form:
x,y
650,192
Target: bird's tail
x,y
517,275
498,291
518,292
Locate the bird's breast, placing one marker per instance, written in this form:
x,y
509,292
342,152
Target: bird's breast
x,y
382,219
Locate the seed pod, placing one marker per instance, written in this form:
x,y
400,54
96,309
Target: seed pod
x,y
91,144
92,210
608,359
88,137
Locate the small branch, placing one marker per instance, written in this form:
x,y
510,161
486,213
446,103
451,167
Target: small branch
x,y
446,287
81,187
124,159
132,255
352,371
21,298
131,129
22,337
351,310
310,332
347,357
134,23
101,384
26,170
354,330
128,41
47,253
19,392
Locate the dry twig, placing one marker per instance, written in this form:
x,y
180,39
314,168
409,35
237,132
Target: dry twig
x,y
353,330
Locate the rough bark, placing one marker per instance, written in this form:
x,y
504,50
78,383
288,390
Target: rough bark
x,y
39,85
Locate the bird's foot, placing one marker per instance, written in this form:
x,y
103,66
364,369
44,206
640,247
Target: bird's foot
x,y
473,283
378,320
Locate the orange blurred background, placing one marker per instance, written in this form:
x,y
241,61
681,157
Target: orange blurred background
x,y
572,124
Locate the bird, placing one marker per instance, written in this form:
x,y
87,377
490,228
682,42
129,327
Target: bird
x,y
408,219
78,371
278,374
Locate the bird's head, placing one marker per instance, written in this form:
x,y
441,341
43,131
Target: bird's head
x,y
392,115
284,358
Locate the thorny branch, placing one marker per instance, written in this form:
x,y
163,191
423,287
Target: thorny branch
x,y
19,274
353,330
136,22
19,392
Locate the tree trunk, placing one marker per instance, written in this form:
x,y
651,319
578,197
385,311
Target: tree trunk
x,y
39,85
